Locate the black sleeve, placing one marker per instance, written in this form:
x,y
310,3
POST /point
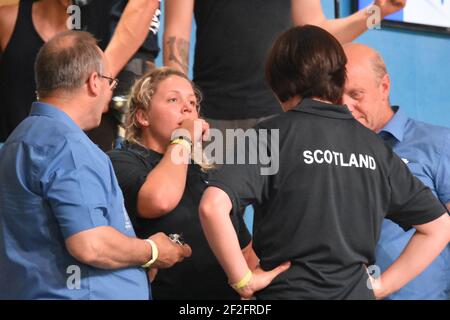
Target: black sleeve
x,y
412,203
131,174
243,183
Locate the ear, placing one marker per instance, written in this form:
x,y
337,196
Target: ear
x,y
93,84
385,86
142,118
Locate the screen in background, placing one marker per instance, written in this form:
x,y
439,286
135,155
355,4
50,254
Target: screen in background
x,y
432,13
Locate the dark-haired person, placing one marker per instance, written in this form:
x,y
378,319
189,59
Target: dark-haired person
x,y
162,194
323,210
64,230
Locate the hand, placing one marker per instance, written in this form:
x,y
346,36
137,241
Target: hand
x,y
389,6
197,129
152,272
376,285
169,253
261,279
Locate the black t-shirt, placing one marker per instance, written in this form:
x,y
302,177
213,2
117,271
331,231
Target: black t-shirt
x,y
199,276
233,40
324,208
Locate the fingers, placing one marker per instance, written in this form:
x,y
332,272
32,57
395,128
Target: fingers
x,y
262,279
186,250
276,271
205,130
152,274
197,128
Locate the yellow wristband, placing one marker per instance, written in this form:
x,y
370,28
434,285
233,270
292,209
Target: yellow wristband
x,y
183,142
154,254
243,282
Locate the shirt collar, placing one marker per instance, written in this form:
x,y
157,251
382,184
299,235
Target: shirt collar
x,y
396,126
152,156
323,109
141,151
48,110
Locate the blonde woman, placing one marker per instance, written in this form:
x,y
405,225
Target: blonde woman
x,y
161,193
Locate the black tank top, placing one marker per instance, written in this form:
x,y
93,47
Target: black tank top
x,y
17,85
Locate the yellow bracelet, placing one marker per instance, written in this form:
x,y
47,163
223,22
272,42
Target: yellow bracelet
x,y
154,254
183,142
243,282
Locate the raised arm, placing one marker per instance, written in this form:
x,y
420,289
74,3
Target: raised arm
x,y
425,245
164,186
215,208
344,29
177,31
8,17
130,33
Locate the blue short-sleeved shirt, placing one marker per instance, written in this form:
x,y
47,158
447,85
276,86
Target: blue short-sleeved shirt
x,y
54,183
425,149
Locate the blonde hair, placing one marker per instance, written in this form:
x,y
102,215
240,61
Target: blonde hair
x,y
140,98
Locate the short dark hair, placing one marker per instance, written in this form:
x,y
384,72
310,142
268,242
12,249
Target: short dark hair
x,y
66,61
308,62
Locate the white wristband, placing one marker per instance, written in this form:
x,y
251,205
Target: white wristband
x,y
154,254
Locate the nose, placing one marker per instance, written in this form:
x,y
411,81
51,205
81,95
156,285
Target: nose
x,y
187,107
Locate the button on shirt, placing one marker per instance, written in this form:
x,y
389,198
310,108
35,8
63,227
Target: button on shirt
x,y
425,149
55,183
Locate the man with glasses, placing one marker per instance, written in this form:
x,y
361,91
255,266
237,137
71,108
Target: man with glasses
x,y
64,230
113,82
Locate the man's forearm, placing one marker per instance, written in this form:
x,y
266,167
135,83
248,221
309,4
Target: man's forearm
x,y
130,33
176,53
177,32
107,248
347,29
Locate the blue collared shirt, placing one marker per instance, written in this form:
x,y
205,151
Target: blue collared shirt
x,y
54,183
425,149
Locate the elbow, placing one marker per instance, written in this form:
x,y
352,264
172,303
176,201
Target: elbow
x,y
156,206
86,253
215,203
207,210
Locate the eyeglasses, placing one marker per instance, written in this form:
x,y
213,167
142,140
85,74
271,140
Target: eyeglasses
x,y
113,82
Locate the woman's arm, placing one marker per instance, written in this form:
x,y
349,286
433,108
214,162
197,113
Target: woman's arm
x,y
215,208
344,29
425,245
